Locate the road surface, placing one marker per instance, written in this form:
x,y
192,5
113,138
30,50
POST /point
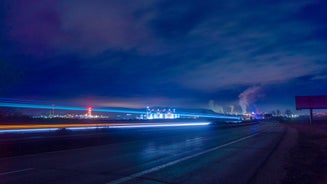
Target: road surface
x,y
204,154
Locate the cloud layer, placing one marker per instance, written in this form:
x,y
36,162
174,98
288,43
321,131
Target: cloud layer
x,y
190,51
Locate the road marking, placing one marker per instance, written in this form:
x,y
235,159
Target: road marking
x,y
17,171
136,175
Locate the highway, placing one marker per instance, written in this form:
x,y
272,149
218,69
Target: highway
x,y
195,154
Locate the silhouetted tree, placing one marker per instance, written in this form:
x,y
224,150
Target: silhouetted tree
x,y
278,112
288,112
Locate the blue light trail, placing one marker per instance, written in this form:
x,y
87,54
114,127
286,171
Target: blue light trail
x,y
34,130
162,125
35,106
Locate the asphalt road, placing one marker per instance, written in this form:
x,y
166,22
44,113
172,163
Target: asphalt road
x,y
204,154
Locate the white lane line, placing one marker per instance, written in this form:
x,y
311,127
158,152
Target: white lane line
x,y
17,171
133,176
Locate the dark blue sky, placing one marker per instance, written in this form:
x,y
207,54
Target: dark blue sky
x,y
164,52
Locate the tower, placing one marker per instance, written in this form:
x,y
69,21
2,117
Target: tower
x,y
52,111
89,111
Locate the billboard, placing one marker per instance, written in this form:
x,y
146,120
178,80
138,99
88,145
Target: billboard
x,y
311,102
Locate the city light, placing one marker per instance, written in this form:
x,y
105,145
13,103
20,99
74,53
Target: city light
x,y
161,114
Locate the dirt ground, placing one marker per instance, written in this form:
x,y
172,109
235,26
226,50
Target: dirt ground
x,y
307,160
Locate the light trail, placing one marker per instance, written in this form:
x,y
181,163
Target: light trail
x,y
162,125
88,126
212,116
35,106
17,171
29,130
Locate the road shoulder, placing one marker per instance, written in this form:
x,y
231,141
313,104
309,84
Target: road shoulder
x,y
274,170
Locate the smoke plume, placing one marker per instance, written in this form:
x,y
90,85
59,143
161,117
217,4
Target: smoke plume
x,y
248,96
231,109
215,107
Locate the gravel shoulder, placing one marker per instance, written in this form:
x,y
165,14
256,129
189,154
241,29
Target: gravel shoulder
x,y
301,156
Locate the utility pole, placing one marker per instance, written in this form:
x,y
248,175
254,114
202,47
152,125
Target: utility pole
x,y
311,116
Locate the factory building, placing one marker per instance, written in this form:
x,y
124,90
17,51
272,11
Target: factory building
x,y
162,113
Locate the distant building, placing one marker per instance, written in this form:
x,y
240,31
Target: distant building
x,y
161,113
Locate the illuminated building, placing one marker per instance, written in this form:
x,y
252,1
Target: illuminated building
x,y
161,114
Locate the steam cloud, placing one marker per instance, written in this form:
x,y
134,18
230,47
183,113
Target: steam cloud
x,y
231,109
248,96
215,107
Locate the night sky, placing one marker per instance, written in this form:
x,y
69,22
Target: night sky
x,y
195,54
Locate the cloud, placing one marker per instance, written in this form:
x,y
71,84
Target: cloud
x,y
266,70
162,48
151,27
32,23
256,48
101,25
175,19
80,26
319,77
